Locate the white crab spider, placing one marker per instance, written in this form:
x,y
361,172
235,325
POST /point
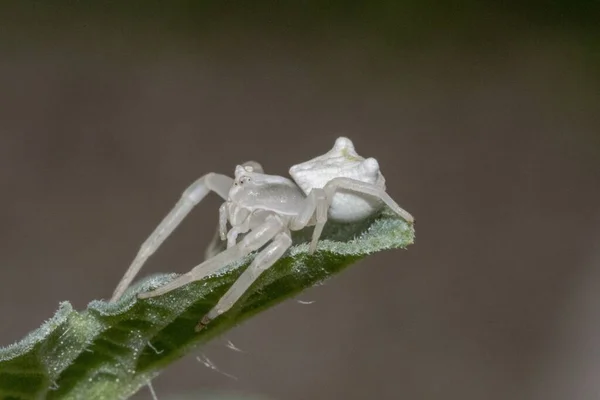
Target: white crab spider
x,y
339,185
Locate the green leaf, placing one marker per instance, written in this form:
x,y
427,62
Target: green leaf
x,y
110,350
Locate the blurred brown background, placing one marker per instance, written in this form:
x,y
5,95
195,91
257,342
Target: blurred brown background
x,y
485,119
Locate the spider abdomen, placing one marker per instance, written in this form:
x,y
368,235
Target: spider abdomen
x,y
342,161
348,207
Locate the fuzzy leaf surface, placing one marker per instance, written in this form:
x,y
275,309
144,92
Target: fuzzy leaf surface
x,y
110,350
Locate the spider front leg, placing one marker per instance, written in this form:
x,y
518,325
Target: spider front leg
x,y
263,261
257,238
223,221
216,246
217,183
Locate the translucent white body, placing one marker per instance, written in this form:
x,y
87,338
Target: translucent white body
x,y
342,161
339,185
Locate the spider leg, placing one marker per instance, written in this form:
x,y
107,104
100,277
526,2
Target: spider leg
x,y
257,238
217,183
222,229
263,261
367,188
234,232
216,246
317,205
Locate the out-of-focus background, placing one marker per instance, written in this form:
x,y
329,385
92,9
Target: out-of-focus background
x,y
485,119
